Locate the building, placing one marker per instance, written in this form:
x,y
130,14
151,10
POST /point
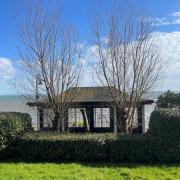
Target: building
x,y
97,106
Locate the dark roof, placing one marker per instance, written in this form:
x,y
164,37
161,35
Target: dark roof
x,y
97,94
92,94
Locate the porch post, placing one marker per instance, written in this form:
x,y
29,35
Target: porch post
x,y
115,119
143,119
38,119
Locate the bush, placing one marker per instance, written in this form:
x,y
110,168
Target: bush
x,y
12,125
165,123
160,145
63,147
150,148
96,147
25,120
169,100
145,149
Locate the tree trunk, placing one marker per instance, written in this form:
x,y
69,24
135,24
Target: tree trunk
x,y
123,122
56,122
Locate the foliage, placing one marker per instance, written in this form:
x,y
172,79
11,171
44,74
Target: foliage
x,y
54,136
50,146
13,124
95,147
165,123
146,150
169,100
78,123
161,144
88,171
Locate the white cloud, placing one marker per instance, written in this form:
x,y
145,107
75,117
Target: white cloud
x,y
175,14
6,69
173,18
88,76
162,21
168,44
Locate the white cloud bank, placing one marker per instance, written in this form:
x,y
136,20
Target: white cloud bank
x,y
168,44
6,69
172,19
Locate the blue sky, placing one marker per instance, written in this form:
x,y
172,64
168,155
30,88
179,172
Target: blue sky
x,y
167,35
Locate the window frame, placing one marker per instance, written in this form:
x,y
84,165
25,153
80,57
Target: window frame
x,y
102,124
75,119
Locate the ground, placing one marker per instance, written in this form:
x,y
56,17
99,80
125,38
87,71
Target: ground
x,y
89,171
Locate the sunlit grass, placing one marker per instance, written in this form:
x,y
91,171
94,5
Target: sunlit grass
x,y
89,171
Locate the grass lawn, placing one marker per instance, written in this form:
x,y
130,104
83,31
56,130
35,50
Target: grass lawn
x,y
87,171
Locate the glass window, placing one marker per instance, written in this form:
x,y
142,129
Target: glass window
x,y
75,118
101,117
48,116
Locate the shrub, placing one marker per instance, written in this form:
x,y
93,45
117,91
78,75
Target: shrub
x,y
165,123
25,120
78,123
64,147
169,100
12,125
95,147
145,149
2,142
160,145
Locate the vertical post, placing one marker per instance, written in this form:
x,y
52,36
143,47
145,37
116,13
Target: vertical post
x,y
115,119
38,119
143,119
139,119
38,81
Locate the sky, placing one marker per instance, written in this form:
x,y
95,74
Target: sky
x,y
166,37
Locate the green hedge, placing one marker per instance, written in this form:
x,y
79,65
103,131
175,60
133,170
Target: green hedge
x,y
145,150
96,147
63,147
165,123
160,145
13,124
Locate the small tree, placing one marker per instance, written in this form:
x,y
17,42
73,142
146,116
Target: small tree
x,y
49,57
169,100
127,60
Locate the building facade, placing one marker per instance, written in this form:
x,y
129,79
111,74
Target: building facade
x,y
92,108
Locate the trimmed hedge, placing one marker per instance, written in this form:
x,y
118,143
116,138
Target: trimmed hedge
x,y
160,145
13,124
96,147
63,147
145,150
165,123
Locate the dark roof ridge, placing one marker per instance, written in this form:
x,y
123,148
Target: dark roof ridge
x,y
90,87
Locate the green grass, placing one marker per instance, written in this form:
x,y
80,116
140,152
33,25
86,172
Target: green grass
x,y
89,171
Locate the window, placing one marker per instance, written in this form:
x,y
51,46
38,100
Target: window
x,y
48,116
75,118
101,117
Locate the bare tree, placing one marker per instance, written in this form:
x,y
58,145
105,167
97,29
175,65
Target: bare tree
x,y
49,58
127,61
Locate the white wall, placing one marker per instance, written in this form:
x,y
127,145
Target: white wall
x,y
148,110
